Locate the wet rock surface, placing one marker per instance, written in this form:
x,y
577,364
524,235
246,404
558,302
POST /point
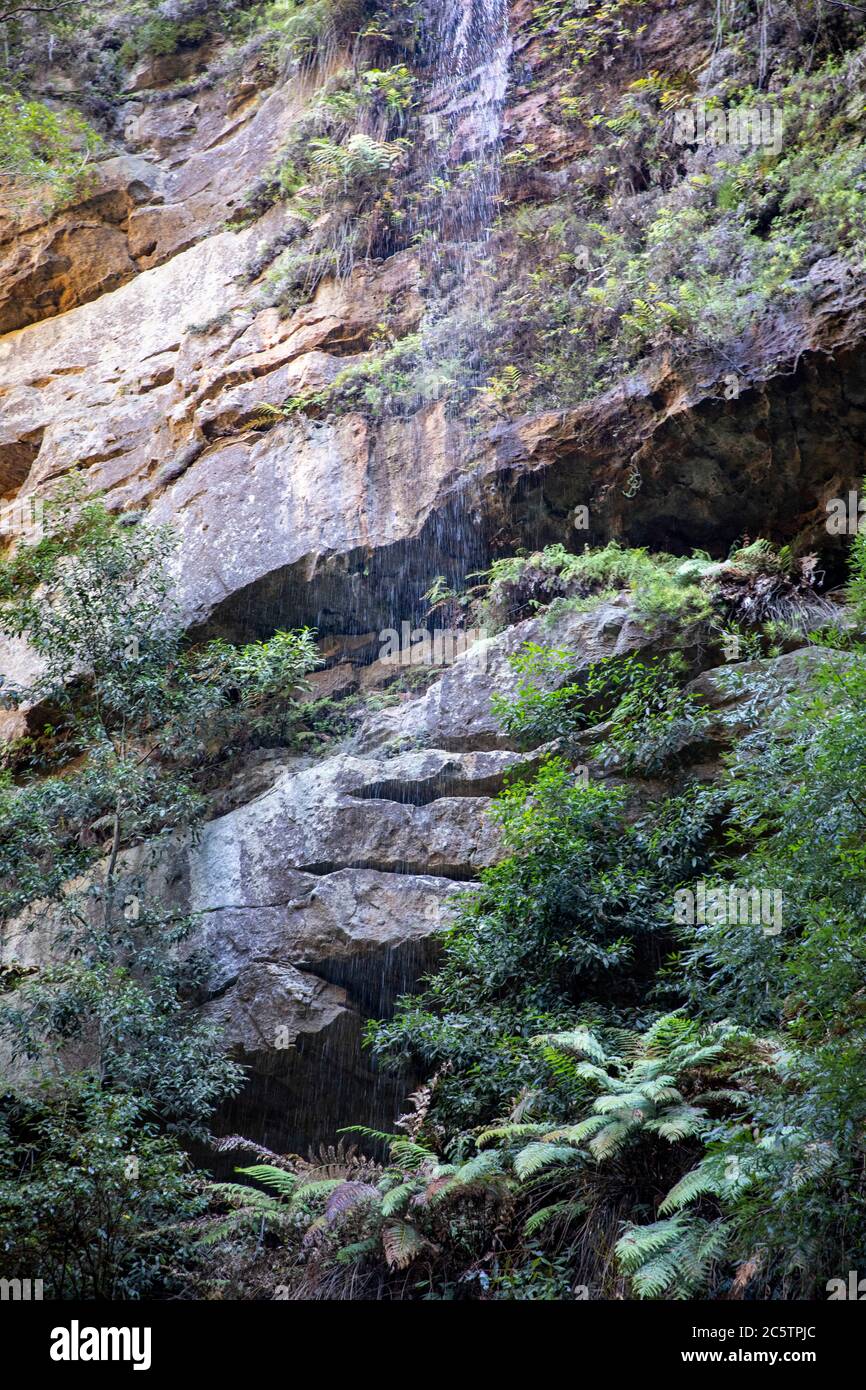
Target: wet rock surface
x,y
321,900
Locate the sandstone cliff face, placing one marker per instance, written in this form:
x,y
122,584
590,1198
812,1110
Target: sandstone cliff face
x,y
136,346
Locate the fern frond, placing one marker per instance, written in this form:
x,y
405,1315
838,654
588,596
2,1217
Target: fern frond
x,y
511,376
662,1091
321,1188
380,1135
244,1220
588,1071
726,1095
708,1241
351,1254
680,1122
436,1171
622,1103
279,1179
563,1212
348,1195
658,1276
579,1042
408,1153
642,1243
401,1243
671,1258
507,1132
584,1129
237,1194
405,1152
482,1168
535,1157
608,1142
395,1200
230,1142
667,1032
698,1182
222,1230
690,1058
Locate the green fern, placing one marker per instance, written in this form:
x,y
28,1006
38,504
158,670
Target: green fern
x,y
351,1254
579,1041
559,1212
250,1208
609,1141
396,1199
672,1258
680,1122
237,1194
505,1133
361,157
483,1168
401,1244
536,1157
309,1191
280,1180
702,1181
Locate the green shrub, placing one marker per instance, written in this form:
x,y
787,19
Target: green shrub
x,y
649,719
46,151
663,587
91,1196
567,927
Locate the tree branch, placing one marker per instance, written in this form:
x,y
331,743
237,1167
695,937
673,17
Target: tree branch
x,y
845,5
36,9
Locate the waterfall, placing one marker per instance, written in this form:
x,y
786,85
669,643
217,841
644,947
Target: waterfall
x,y
458,168
469,50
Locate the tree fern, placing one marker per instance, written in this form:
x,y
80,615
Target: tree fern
x,y
278,1179
401,1244
704,1180
561,1212
579,1041
536,1157
504,1133
679,1122
396,1199
671,1258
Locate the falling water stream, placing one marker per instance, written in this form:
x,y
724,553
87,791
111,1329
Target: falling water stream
x,y
467,67
466,58
463,108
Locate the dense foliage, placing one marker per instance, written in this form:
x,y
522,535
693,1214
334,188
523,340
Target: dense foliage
x,y
47,152
622,1101
106,1026
619,1099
